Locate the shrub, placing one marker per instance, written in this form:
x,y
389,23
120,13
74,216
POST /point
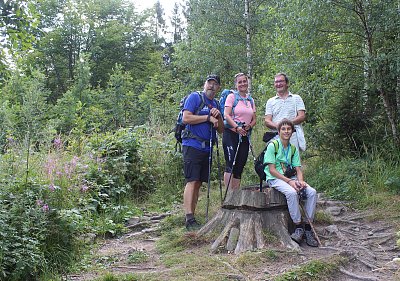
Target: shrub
x,y
33,237
122,173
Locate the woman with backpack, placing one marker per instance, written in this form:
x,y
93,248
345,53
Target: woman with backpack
x,y
240,118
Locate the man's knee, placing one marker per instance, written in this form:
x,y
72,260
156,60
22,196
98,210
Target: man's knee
x,y
291,193
193,185
311,191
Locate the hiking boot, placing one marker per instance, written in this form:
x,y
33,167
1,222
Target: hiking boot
x,y
310,240
297,235
192,225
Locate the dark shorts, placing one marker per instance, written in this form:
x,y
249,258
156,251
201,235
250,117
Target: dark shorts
x,y
195,164
230,141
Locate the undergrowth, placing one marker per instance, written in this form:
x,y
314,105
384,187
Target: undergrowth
x,y
365,182
314,270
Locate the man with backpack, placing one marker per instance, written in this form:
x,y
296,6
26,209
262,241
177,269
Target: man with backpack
x,y
284,105
283,172
197,140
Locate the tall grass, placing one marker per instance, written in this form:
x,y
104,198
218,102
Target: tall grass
x,y
367,182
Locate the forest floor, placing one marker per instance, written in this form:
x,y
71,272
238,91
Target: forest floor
x,y
356,245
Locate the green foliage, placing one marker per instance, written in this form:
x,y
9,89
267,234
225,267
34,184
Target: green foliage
x,y
138,257
393,184
323,218
123,173
18,22
24,109
249,259
68,203
119,277
314,270
34,237
108,32
355,179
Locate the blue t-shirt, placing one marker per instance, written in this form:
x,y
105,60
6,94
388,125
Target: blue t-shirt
x,y
202,130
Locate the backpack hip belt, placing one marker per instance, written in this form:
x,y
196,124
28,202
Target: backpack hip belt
x,y
186,133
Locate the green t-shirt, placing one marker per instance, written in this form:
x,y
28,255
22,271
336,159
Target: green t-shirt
x,y
280,159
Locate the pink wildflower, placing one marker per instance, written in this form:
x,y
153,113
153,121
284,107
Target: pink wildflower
x,y
45,208
84,188
57,143
39,202
52,187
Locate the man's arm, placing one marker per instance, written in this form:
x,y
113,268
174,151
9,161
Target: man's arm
x,y
301,117
216,120
192,119
268,122
274,172
300,183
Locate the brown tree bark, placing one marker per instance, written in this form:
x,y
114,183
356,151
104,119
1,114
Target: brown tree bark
x,y
244,218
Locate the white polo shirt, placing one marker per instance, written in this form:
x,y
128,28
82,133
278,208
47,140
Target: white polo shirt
x,y
284,108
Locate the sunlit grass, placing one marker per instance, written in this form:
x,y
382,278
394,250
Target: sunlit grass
x,y
314,270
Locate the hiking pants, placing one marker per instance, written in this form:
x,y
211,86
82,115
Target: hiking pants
x,y
230,141
292,199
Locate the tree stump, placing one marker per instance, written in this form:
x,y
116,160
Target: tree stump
x,y
244,218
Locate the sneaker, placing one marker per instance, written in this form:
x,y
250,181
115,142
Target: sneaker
x,y
297,235
192,225
310,240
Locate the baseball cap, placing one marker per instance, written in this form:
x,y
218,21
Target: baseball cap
x,y
214,77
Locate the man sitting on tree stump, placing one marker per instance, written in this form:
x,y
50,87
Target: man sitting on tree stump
x,y
283,172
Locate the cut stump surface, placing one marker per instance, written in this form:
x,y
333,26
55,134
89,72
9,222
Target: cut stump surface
x,y
246,216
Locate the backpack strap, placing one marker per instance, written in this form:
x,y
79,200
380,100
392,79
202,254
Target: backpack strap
x,y
238,97
202,103
292,148
276,145
186,133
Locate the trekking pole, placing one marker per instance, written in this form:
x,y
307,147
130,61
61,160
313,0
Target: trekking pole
x,y
219,172
309,222
255,159
251,150
209,171
233,165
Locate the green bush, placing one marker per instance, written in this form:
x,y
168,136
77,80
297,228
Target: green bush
x,y
34,238
122,173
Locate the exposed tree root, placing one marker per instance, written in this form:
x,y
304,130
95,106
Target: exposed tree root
x,y
357,276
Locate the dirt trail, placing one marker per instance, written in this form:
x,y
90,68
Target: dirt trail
x,y
370,245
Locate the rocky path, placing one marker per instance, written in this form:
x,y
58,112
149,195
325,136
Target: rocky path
x,y
368,244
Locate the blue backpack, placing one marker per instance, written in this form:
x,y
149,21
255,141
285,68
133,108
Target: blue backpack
x,y
180,126
222,100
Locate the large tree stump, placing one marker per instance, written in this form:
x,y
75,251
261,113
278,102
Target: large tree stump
x,y
246,215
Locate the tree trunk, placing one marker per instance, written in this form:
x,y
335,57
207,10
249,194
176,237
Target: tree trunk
x,y
245,217
248,44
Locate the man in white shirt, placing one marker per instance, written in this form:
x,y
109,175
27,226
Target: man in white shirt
x,y
284,105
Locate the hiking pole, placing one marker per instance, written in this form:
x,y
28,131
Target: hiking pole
x,y
219,172
209,170
309,222
233,165
255,159
251,150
